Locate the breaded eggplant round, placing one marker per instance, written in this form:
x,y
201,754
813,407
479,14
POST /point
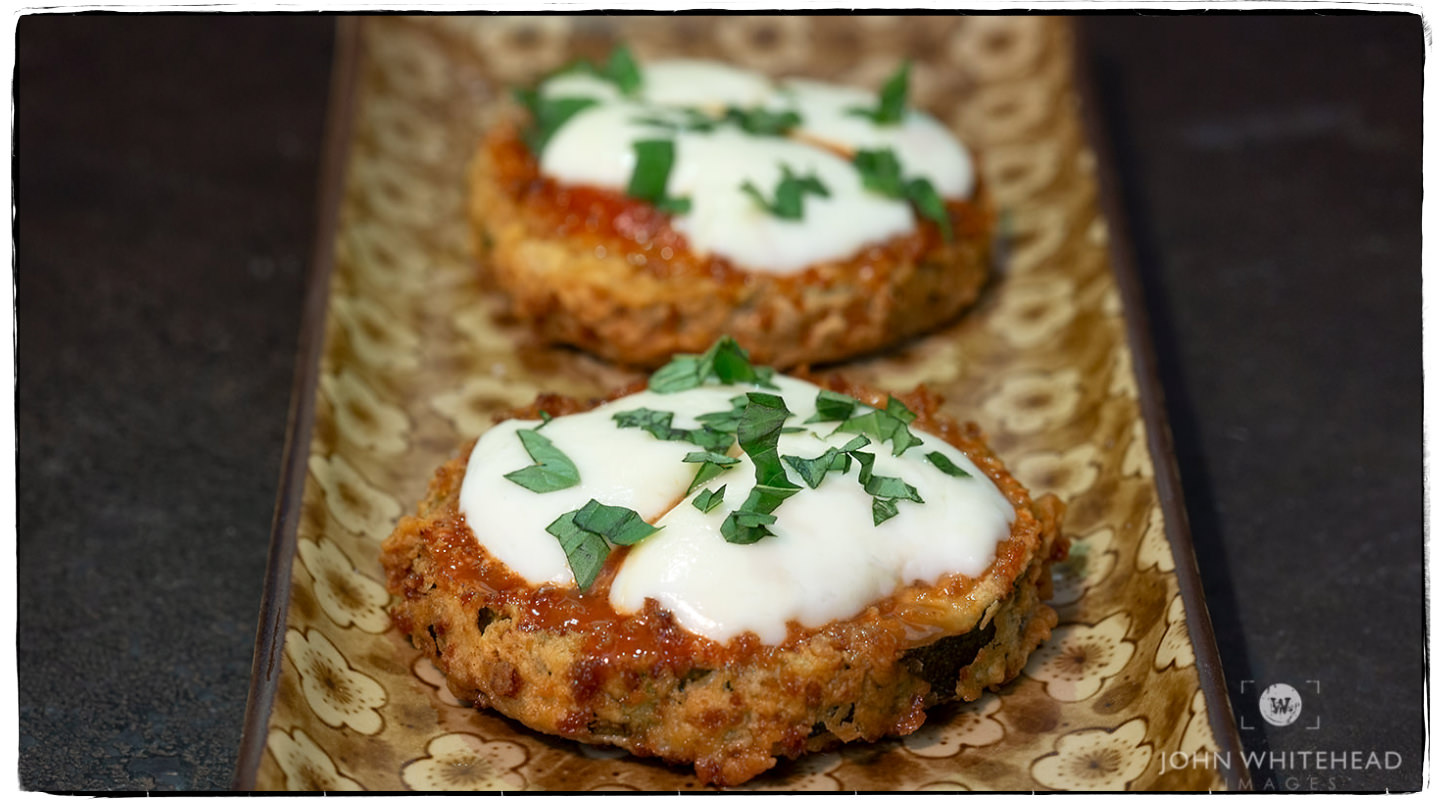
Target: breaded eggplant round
x,y
778,239
564,661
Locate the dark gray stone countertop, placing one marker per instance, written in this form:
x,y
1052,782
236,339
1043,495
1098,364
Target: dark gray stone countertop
x,y
165,181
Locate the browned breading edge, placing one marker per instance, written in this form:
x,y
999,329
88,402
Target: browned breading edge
x,y
619,300
731,710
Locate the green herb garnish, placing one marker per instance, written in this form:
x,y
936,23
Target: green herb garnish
x,y
897,409
711,465
789,202
724,360
692,120
880,172
891,107
882,509
834,459
832,407
754,120
886,490
585,535
547,115
890,425
750,523
707,500
584,551
552,470
930,205
726,421
617,524
945,465
657,424
620,69
759,435
653,161
760,121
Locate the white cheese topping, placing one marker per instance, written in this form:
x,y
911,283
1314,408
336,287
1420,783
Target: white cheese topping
x,y
595,148
826,561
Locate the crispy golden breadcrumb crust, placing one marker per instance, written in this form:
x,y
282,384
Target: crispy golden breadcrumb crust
x,y
564,663
593,269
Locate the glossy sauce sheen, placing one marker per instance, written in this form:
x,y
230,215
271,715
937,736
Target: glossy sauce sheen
x,y
594,148
826,562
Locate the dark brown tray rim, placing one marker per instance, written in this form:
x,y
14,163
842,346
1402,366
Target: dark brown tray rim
x,y
275,599
1157,427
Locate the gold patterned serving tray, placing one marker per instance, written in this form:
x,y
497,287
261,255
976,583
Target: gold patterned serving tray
x,y
406,354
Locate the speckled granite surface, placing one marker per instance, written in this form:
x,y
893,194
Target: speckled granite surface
x,y
165,184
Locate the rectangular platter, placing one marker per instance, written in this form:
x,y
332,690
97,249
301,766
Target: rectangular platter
x,y
405,354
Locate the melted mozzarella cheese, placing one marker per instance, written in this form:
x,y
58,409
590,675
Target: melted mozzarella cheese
x,y
826,561
595,147
707,85
711,170
923,145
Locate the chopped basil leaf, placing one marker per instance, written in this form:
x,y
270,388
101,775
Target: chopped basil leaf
x,y
617,524
653,161
657,424
886,490
945,465
882,509
891,106
883,426
832,407
726,421
547,115
673,205
897,409
711,465
790,194
750,522
707,500
880,172
552,471
585,551
621,69
930,205
812,470
716,441
759,436
760,121
884,486
682,373
724,360
585,535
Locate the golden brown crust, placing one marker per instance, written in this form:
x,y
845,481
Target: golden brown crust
x,y
564,663
592,269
